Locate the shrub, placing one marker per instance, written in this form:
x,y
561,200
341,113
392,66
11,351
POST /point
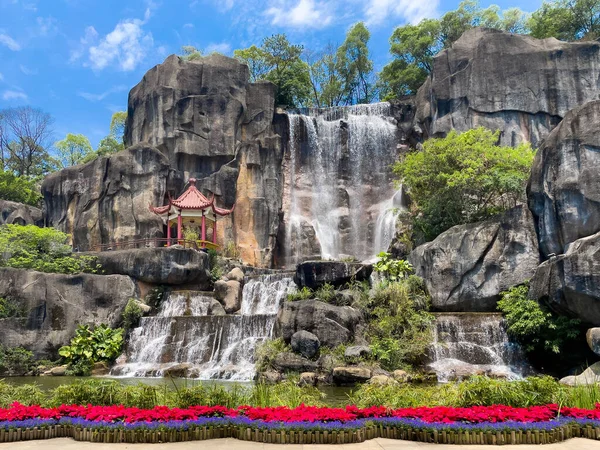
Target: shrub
x,y
91,345
15,361
534,326
325,293
267,351
303,294
231,250
132,314
155,297
41,249
463,178
392,269
11,308
19,189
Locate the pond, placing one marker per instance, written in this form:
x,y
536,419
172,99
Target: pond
x,y
334,395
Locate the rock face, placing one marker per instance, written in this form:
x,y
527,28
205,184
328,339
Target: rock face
x,y
593,339
160,265
229,294
518,84
466,267
570,283
107,200
212,124
564,188
305,343
289,362
591,375
20,214
333,325
314,274
351,375
56,304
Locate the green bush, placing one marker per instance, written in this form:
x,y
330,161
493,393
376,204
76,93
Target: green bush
x,y
463,178
325,293
392,269
91,345
41,249
132,314
267,351
303,294
11,308
19,189
534,326
15,361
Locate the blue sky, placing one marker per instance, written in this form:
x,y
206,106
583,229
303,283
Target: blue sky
x,y
78,59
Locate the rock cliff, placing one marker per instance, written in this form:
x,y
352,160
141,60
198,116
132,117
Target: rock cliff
x,y
518,84
20,214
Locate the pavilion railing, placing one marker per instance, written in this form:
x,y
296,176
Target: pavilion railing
x,y
154,242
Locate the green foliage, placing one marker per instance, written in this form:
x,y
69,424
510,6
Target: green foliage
x,y
73,149
463,178
15,361
325,293
41,249
534,326
303,294
155,297
132,314
19,189
355,67
267,351
190,53
392,269
27,394
112,143
191,233
414,46
91,345
10,307
231,250
567,20
399,325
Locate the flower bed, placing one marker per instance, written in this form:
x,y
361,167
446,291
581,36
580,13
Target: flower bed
x,y
305,424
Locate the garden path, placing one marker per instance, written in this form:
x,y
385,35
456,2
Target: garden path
x,y
234,444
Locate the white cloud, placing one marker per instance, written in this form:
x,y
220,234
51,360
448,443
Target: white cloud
x,y
90,37
188,25
46,26
14,95
377,11
103,95
27,71
307,13
9,42
222,47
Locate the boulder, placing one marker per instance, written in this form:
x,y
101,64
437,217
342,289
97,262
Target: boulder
x,y
180,370
357,351
466,267
514,83
212,124
570,283
564,189
307,379
333,325
58,371
401,376
346,297
351,375
106,200
290,362
314,274
593,339
229,294
382,380
235,274
56,304
100,368
269,377
158,265
20,214
305,343
591,375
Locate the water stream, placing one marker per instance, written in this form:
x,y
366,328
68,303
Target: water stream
x,y
183,337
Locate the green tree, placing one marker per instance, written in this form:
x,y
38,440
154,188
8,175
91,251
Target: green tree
x,y
355,66
567,20
19,189
256,60
463,178
117,126
190,53
73,149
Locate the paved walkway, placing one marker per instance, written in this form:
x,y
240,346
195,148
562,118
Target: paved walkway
x,y
234,444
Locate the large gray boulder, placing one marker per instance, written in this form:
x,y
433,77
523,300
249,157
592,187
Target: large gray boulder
x,y
466,267
305,343
591,375
570,283
55,304
106,200
314,274
290,362
515,83
20,214
592,337
333,325
158,265
564,187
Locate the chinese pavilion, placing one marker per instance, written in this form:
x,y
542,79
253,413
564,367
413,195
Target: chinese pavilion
x,y
190,209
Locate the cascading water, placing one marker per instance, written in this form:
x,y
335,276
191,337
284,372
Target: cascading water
x,y
474,343
202,346
385,226
338,180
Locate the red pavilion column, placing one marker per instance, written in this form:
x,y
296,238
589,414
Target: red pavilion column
x,y
215,229
168,232
179,226
203,229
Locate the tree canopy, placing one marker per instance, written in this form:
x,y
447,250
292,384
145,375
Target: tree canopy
x,y
463,178
73,149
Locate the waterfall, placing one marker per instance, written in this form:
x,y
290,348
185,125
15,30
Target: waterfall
x,y
474,343
337,180
182,335
385,226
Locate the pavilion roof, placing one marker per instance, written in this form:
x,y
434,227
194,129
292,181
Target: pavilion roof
x,y
192,199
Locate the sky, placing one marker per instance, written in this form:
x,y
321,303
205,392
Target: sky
x,y
78,59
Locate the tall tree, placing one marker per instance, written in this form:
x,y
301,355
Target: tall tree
x,y
567,20
355,66
117,125
73,149
256,60
26,136
190,53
